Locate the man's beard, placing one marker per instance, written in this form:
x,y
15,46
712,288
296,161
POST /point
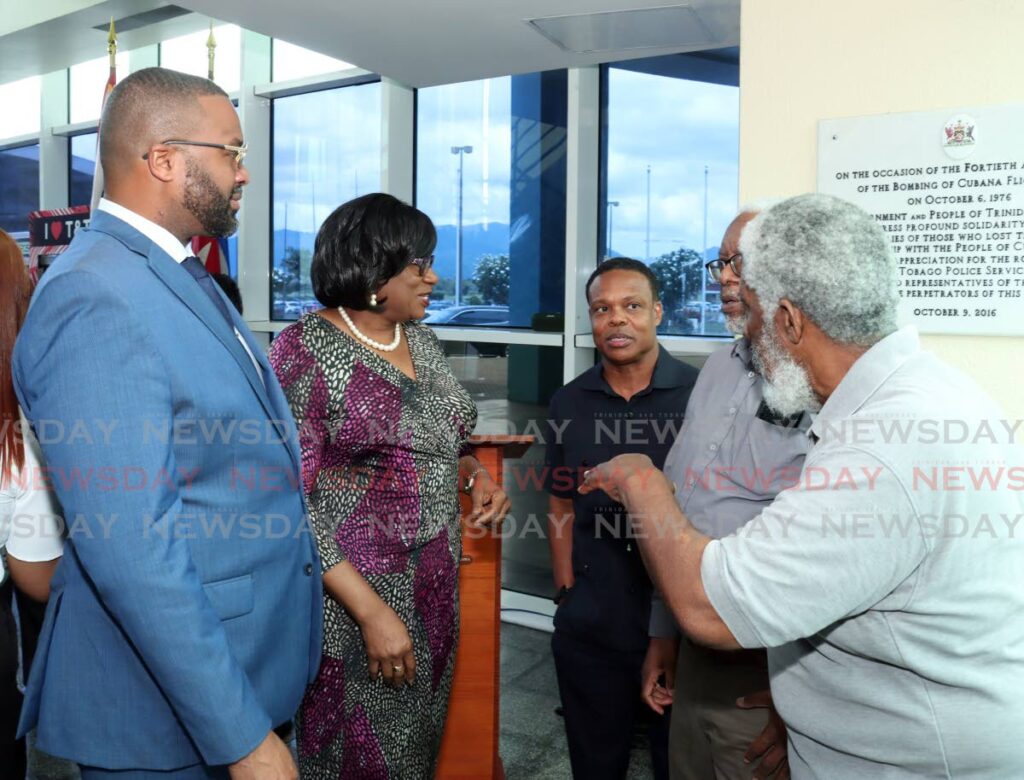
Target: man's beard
x,y
207,203
788,390
737,323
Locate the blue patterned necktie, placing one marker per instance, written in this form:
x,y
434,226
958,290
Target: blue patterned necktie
x,y
195,267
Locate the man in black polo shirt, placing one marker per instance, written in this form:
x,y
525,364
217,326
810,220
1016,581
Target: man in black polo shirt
x,y
632,401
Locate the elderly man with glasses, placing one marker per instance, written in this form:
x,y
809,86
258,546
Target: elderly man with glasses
x,y
730,460
886,582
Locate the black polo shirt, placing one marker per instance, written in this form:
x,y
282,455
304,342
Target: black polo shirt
x,y
591,423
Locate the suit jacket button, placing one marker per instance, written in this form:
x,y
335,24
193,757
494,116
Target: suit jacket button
x,y
308,568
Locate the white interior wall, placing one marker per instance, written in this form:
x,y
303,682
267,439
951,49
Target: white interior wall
x,y
805,60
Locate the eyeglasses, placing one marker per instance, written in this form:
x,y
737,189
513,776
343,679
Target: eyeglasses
x,y
238,151
424,264
715,267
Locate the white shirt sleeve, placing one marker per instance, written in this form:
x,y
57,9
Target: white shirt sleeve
x,y
36,530
829,548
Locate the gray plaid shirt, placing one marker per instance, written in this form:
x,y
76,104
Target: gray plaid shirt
x,y
732,456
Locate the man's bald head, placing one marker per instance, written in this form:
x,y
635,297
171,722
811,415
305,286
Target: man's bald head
x,y
733,308
148,107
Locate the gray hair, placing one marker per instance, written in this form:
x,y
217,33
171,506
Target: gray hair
x,y
830,259
758,205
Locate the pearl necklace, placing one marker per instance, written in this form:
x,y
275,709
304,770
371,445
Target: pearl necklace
x,y
366,339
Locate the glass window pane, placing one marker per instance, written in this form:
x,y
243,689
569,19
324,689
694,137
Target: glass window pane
x,y
88,84
188,54
672,182
490,173
81,169
19,171
21,102
295,62
512,387
326,151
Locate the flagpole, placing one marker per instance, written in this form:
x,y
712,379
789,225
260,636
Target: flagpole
x,y
212,252
97,178
211,45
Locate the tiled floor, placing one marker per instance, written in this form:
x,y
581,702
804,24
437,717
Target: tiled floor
x,y
532,736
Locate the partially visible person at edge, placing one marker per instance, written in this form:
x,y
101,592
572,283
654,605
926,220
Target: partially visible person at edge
x,y
632,400
384,428
184,621
30,523
230,288
890,604
733,456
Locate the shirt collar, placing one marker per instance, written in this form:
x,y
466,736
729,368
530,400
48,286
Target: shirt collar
x,y
741,350
668,373
865,376
158,235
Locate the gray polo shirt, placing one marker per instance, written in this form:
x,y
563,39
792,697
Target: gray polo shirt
x,y
731,458
889,584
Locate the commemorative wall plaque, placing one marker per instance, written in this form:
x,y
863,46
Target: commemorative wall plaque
x,y
948,189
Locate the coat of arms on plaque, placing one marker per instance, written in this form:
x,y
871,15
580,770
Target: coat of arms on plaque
x,y
959,135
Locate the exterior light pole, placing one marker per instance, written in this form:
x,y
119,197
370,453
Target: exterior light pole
x,y
460,151
611,205
703,258
647,230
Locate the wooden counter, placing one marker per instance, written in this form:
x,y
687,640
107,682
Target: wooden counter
x,y
470,745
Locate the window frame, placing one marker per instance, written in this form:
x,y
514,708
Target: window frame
x,y
713,70
354,77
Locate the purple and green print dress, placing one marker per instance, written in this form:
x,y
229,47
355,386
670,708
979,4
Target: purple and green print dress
x,y
380,459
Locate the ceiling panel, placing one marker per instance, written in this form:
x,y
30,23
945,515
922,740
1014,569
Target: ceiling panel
x,y
414,42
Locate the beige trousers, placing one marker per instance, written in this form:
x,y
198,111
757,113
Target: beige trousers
x,y
709,734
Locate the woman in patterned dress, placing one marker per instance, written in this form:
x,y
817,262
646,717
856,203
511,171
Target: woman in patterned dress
x,y
383,425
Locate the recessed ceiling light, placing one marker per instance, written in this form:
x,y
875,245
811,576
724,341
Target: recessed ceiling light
x,y
644,28
144,19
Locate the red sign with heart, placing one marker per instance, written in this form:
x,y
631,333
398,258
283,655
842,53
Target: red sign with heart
x,y
51,231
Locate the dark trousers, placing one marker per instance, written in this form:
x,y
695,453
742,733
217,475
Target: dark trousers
x,y
12,751
600,692
30,618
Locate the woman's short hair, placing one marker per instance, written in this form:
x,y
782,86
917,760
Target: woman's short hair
x,y
362,244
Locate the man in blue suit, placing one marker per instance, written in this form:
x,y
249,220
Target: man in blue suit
x,y
184,622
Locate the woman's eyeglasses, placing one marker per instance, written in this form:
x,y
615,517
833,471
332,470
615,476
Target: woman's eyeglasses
x,y
424,264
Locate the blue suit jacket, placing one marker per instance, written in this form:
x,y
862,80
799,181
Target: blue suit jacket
x,y
185,618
